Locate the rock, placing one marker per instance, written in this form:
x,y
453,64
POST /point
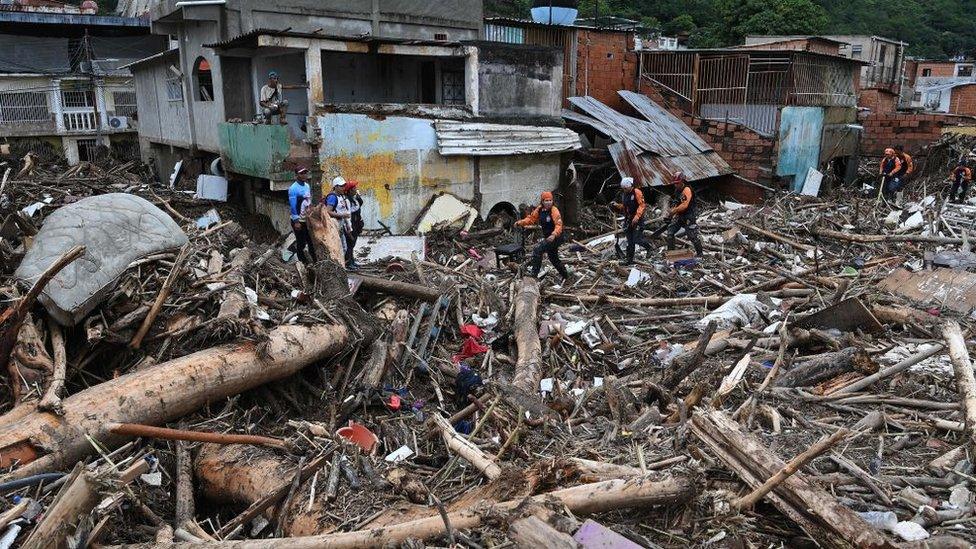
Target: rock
x,y
910,531
116,229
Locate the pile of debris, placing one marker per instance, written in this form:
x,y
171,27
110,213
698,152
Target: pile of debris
x,y
175,380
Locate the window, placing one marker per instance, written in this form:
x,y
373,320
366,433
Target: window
x,y
964,70
926,72
452,87
125,103
917,97
78,99
856,51
24,107
87,150
174,84
204,79
883,54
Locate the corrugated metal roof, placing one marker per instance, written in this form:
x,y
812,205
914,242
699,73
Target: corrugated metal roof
x,y
476,139
653,150
250,38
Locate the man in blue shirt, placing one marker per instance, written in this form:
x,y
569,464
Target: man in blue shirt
x,y
299,199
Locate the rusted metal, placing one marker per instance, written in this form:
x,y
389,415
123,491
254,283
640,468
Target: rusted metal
x,y
474,139
653,150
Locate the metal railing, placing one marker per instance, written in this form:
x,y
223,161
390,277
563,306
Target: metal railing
x,y
24,108
79,120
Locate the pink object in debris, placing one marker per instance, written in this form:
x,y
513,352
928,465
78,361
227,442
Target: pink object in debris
x,y
359,435
593,535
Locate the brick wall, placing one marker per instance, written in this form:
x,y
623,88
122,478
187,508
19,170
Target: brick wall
x,y
912,131
878,100
605,65
963,100
751,155
938,68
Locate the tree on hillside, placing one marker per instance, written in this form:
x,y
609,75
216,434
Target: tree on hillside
x,y
743,17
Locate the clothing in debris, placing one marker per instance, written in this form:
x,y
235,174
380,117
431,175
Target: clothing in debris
x,y
632,206
962,177
685,216
551,222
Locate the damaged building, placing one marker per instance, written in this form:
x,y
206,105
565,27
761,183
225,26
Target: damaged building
x,y
62,85
403,98
773,115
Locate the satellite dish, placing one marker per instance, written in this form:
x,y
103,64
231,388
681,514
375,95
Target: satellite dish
x,y
555,12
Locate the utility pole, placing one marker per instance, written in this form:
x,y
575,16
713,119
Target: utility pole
x,y
92,86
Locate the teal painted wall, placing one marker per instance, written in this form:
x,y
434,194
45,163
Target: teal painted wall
x,y
258,150
800,132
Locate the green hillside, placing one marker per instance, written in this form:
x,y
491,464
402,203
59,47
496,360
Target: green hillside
x,y
933,28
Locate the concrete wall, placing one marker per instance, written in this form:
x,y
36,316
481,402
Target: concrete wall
x,y
396,163
516,180
205,114
518,80
160,119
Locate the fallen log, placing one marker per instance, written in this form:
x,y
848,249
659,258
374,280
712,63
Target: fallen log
x,y
397,288
72,505
325,235
709,301
51,401
965,380
775,236
813,509
689,361
41,442
532,533
528,368
826,367
149,431
466,449
871,238
584,499
891,370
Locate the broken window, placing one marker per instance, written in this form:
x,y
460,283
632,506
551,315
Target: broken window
x,y
24,107
204,79
926,72
174,84
964,70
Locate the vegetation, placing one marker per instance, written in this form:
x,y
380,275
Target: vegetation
x,y
933,28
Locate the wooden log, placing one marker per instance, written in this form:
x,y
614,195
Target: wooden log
x,y
185,504
810,507
584,499
325,235
149,431
902,315
51,401
76,499
747,501
397,288
891,370
965,381
775,236
375,367
532,533
828,366
687,362
710,301
465,448
528,368
872,238
165,392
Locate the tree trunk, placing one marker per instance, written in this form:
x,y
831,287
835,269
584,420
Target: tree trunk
x,y
528,369
325,235
44,442
827,367
466,449
401,289
965,381
532,533
810,507
584,499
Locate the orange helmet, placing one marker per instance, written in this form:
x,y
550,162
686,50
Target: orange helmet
x,y
546,196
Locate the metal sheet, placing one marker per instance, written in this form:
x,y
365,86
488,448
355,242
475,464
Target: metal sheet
x,y
473,139
955,290
651,170
847,316
668,124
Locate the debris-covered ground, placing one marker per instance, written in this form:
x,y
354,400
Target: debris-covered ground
x,y
218,390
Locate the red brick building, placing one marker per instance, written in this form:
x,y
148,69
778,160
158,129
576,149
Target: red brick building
x,y
962,100
815,44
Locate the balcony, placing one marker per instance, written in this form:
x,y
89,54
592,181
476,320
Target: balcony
x,y
78,120
265,151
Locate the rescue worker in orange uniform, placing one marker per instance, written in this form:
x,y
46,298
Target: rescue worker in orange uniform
x,y
685,214
632,206
961,177
890,170
547,216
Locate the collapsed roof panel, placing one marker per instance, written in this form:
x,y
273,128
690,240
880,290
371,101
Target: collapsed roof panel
x,y
653,150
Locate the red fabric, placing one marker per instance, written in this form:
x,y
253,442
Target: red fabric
x,y
472,345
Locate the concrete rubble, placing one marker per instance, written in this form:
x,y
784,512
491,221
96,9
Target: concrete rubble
x,y
806,382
